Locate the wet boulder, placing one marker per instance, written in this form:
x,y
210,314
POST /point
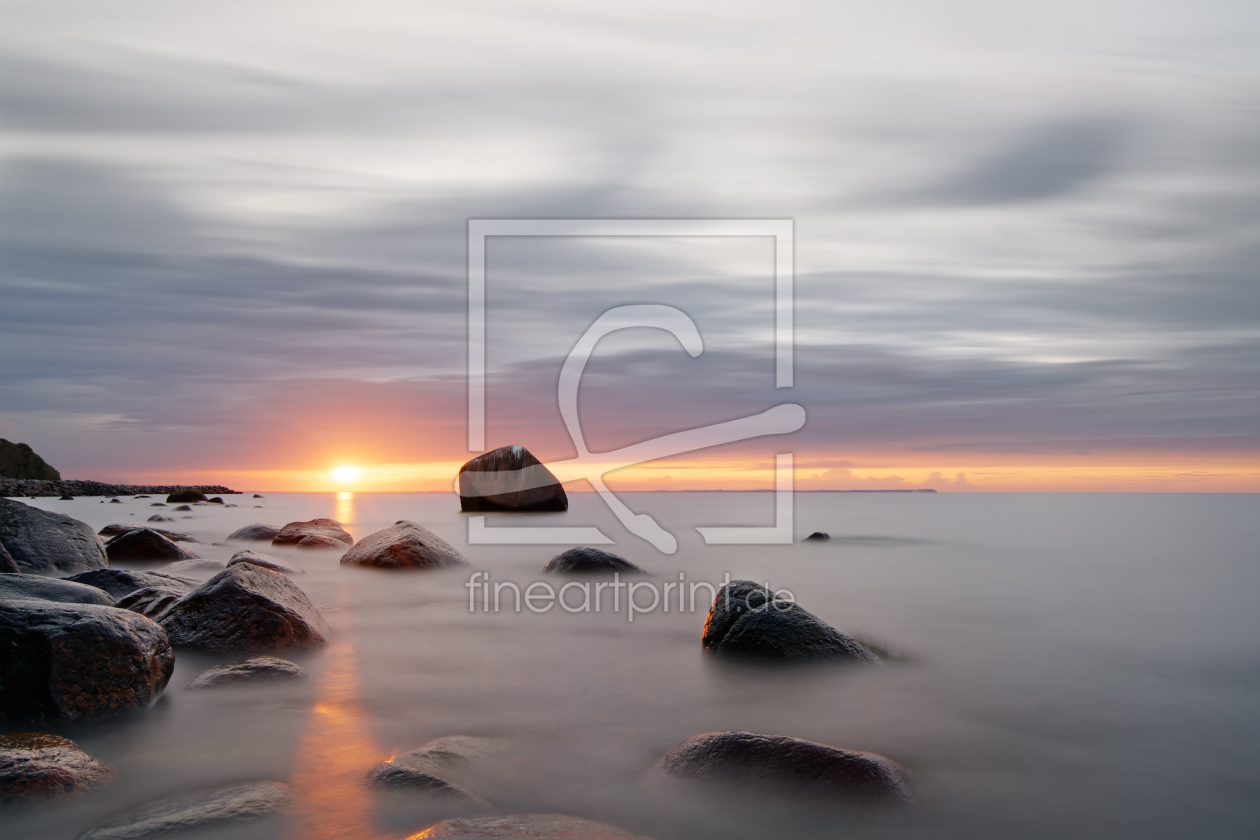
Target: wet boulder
x,y
254,533
212,808
150,602
34,765
525,827
70,662
122,582
245,609
403,545
778,765
446,767
65,498
119,528
40,542
157,517
509,478
266,561
585,560
317,533
193,566
215,500
180,497
51,589
746,621
254,669
184,509
145,545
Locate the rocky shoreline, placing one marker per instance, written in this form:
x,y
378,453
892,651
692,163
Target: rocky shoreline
x,y
35,488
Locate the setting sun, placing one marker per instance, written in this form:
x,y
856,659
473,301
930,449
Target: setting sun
x,y
345,473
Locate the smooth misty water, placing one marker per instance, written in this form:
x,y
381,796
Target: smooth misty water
x,y
1082,666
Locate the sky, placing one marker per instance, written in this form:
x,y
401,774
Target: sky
x,y
233,238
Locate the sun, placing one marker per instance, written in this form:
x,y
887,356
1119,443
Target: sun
x,y
346,473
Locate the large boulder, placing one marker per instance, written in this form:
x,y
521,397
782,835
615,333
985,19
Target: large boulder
x,y
204,809
584,560
69,662
266,561
509,478
317,533
122,582
254,669
246,609
50,589
403,545
254,533
773,764
40,542
151,602
121,528
745,621
145,545
525,827
180,497
34,765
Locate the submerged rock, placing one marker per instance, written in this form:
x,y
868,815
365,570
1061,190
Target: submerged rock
x,y
509,478
122,582
51,589
818,536
185,496
34,765
65,499
246,609
41,542
744,621
145,544
447,766
185,509
584,560
197,565
69,662
525,827
157,517
254,669
119,528
773,764
257,532
403,545
215,807
115,502
215,500
317,533
266,561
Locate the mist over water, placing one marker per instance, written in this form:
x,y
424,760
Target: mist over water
x,y
1077,665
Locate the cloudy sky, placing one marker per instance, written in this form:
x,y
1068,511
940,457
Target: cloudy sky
x,y
233,236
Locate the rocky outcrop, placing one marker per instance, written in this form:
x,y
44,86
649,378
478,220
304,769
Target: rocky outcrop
x,y
183,497
745,622
246,609
403,545
40,542
50,589
74,487
145,545
509,478
18,460
118,528
204,809
122,582
317,533
254,669
525,827
34,765
584,560
254,533
70,662
266,561
772,764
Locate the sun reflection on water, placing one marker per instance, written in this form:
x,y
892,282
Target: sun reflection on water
x,y
344,511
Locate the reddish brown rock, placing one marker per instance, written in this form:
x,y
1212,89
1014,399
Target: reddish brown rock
x,y
403,545
317,533
34,765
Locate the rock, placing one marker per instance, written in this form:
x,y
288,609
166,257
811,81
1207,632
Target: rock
x,y
403,545
204,809
254,533
246,609
216,500
34,765
69,662
818,536
585,560
145,544
51,589
158,504
122,528
525,827
157,517
7,564
142,496
197,565
254,669
433,766
122,582
266,561
185,496
66,499
184,508
151,602
509,478
786,766
256,496
317,533
41,542
745,622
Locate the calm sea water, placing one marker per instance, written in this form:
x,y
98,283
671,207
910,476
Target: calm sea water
x,y
1083,666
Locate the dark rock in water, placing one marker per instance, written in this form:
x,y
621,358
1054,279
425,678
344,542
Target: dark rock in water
x,y
114,502
158,504
772,764
185,496
51,589
585,560
66,499
745,621
145,544
120,528
150,602
266,561
204,809
818,536
525,827
446,766
256,496
215,500
122,582
69,662
34,765
142,496
40,542
403,545
317,533
246,609
157,517
184,508
254,533
254,669
509,478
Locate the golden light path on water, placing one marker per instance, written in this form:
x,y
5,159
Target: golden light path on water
x,y
344,511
